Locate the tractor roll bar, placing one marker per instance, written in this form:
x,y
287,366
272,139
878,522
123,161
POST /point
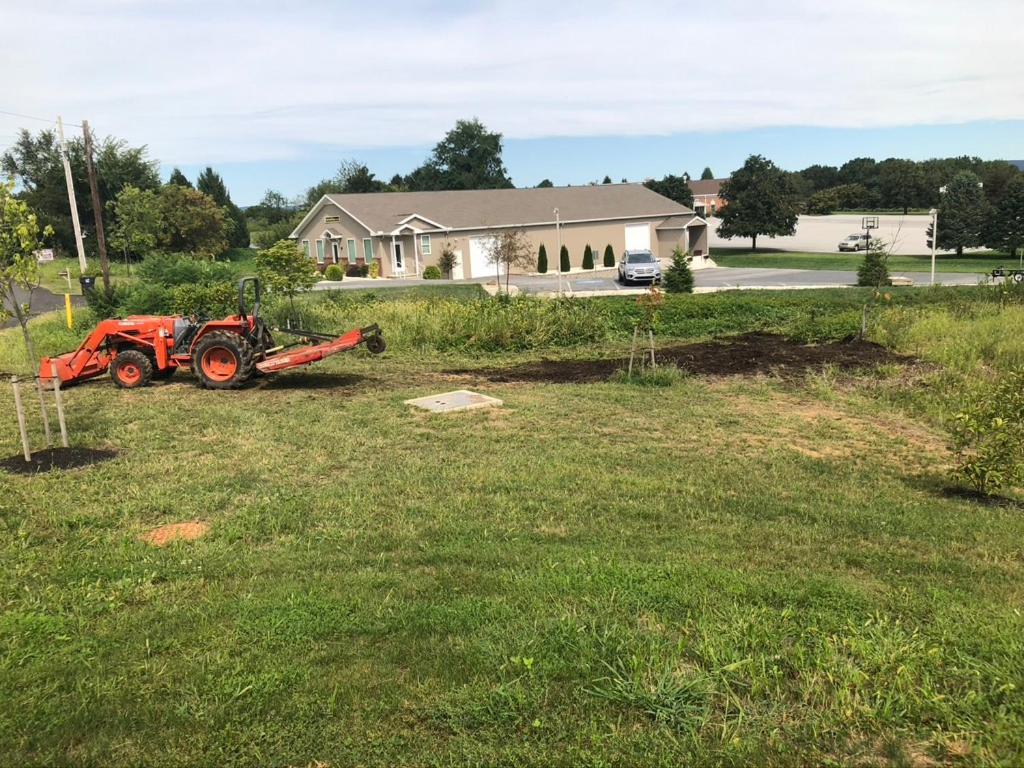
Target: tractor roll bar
x,y
242,310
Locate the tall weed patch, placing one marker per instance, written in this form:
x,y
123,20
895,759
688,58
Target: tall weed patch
x,y
961,337
447,325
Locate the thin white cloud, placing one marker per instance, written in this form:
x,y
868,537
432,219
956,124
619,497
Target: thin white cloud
x,y
218,81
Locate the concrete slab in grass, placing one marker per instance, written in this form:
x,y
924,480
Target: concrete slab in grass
x,y
449,402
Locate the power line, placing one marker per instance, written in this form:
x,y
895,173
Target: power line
x,y
33,117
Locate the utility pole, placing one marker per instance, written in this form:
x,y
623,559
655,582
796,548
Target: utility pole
x,y
82,266
935,236
97,207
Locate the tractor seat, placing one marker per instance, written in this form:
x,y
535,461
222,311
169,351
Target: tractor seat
x,y
184,332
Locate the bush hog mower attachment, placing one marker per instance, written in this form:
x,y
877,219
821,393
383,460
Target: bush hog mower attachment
x,y
222,354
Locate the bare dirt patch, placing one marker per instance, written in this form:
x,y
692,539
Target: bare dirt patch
x,y
165,534
56,458
748,355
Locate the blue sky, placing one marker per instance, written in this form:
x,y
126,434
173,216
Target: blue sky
x,y
579,160
278,95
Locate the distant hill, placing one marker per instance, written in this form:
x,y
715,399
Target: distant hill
x,y
1018,163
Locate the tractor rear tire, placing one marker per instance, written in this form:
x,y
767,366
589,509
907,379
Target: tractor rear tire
x,y
223,360
131,369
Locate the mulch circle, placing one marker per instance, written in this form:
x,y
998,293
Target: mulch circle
x,y
56,458
747,355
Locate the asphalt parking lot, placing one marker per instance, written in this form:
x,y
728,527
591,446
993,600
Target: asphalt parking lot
x,y
821,234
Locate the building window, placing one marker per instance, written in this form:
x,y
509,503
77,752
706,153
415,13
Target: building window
x,y
305,248
367,250
351,251
319,251
425,245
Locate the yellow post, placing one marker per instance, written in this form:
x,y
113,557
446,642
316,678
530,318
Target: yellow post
x,y
67,299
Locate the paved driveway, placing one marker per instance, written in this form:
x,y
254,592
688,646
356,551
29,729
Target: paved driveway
x,y
42,301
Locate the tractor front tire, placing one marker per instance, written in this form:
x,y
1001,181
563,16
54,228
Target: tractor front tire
x,y
223,360
131,368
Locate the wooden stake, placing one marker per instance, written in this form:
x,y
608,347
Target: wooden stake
x,y
19,408
60,406
650,336
632,352
45,414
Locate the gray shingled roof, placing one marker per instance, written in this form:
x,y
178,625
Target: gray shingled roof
x,y
678,222
383,211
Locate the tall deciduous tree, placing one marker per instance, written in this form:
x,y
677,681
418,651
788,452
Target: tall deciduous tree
x,y
707,174
351,177
361,180
191,223
819,177
468,157
759,201
210,183
138,222
1006,221
860,170
901,184
675,188
34,161
963,213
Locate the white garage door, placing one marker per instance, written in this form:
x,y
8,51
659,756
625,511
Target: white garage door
x,y
638,237
479,250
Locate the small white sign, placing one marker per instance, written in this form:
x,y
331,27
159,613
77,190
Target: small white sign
x,y
46,254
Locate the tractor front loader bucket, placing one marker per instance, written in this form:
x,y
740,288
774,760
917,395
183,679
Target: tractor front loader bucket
x,y
295,357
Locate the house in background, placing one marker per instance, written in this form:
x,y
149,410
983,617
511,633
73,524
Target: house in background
x,y
405,232
707,200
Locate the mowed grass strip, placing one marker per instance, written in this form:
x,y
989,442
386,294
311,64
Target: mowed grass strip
x,y
730,572
768,258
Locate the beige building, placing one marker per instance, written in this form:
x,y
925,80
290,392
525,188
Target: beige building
x,y
405,232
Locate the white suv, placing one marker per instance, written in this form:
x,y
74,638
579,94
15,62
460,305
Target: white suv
x,y
640,266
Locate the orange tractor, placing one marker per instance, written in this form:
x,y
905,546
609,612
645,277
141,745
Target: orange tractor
x,y
223,354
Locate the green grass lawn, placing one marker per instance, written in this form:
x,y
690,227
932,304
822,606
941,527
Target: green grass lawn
x,y
242,261
742,571
774,259
430,290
